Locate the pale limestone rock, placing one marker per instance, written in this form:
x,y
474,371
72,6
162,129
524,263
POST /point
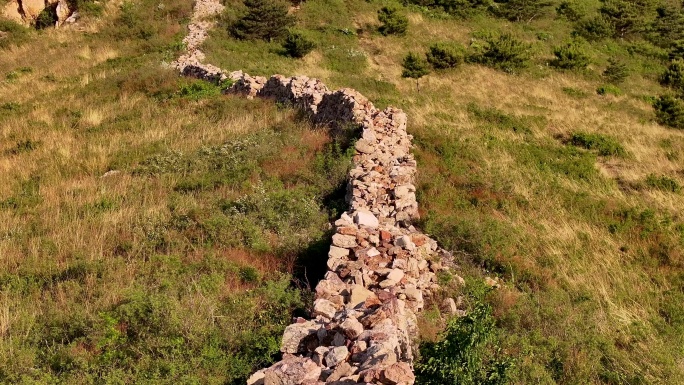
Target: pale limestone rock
x,y
295,333
292,370
344,241
324,308
366,218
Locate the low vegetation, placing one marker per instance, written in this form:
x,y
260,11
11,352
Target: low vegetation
x,y
184,263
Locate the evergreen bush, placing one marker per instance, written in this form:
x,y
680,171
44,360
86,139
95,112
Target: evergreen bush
x,y
669,111
522,10
571,11
673,77
414,67
393,22
570,56
595,28
297,45
504,52
264,20
441,55
616,72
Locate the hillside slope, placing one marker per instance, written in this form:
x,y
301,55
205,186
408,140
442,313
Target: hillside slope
x,y
161,273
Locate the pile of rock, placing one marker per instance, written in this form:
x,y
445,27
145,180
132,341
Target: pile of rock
x,y
381,268
190,63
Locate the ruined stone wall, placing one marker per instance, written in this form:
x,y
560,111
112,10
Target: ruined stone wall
x,y
381,268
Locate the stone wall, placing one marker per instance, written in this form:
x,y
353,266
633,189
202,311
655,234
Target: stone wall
x,y
381,268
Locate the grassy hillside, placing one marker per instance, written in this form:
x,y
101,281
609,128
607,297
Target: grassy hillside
x,y
150,228
569,193
161,272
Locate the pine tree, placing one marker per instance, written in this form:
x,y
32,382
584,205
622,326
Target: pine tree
x,y
616,72
393,22
265,20
523,10
414,67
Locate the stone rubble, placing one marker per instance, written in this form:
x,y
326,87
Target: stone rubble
x,y
381,268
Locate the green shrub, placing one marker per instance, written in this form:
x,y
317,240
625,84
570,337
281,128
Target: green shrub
x,y
594,29
393,22
572,11
673,77
414,67
297,45
266,20
522,10
663,183
609,89
616,72
504,52
604,145
442,55
670,111
570,56
465,353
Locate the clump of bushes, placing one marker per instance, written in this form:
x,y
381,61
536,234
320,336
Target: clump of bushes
x,y
504,52
297,45
663,183
604,145
570,56
264,20
673,77
393,22
669,111
616,72
458,8
442,55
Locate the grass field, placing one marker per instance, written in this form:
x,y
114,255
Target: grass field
x,y
160,272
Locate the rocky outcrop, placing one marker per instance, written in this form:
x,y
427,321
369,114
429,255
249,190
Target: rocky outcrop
x,y
381,268
27,11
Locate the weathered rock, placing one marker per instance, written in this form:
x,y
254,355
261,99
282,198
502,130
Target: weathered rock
x,y
257,378
292,370
336,356
449,306
352,327
359,295
342,370
397,374
295,334
366,218
324,308
344,241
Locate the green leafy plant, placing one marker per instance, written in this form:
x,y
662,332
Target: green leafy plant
x,y
465,354
616,72
442,55
570,56
297,45
393,21
264,20
414,68
670,111
504,52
